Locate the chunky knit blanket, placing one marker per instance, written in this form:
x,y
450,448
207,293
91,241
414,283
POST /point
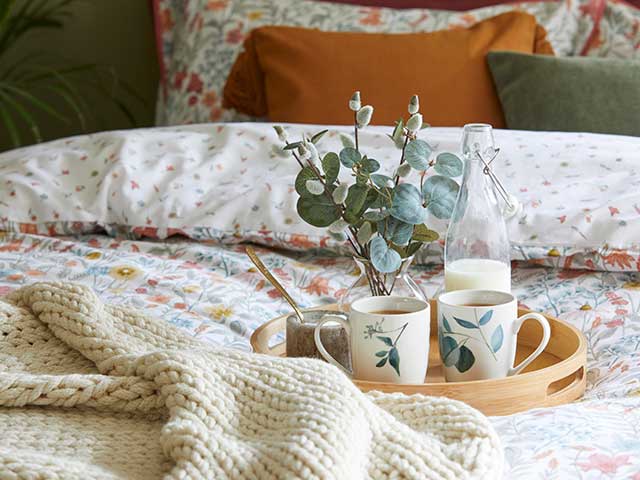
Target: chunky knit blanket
x,y
89,390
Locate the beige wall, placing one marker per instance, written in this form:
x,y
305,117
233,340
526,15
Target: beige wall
x,y
109,32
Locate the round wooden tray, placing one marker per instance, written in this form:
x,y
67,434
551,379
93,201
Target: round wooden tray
x,y
557,376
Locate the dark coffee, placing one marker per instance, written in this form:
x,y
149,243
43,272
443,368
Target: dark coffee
x,y
389,312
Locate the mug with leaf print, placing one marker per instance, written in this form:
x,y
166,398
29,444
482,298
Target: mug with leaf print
x,y
388,338
478,333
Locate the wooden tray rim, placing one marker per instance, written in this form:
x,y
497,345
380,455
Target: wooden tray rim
x,y
551,372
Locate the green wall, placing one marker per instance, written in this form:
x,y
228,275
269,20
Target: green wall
x,y
118,33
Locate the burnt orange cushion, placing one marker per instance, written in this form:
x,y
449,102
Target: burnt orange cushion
x,y
300,75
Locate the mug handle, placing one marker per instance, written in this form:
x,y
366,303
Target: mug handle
x,y
323,351
546,334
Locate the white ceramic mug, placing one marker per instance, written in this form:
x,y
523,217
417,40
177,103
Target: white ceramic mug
x,y
478,334
385,347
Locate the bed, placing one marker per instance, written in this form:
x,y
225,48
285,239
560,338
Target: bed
x,y
195,275
158,219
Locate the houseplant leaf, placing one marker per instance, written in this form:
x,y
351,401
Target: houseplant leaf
x,y
349,157
383,258
448,164
421,233
407,204
440,193
417,154
331,167
395,231
317,210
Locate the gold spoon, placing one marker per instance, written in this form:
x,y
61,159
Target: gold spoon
x,y
267,274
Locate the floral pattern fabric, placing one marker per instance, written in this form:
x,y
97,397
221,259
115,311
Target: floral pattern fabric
x,y
199,40
230,183
216,294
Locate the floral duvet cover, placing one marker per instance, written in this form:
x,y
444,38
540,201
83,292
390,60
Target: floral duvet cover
x,y
214,293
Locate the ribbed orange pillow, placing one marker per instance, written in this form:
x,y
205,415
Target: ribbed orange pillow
x,y
300,75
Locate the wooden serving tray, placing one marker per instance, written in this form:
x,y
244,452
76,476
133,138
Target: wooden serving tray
x,y
557,376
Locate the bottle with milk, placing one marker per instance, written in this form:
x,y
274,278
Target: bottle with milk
x,y
477,252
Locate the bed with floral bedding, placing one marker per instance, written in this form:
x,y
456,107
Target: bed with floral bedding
x,y
158,218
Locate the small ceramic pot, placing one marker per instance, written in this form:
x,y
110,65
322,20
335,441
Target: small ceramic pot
x,y
300,342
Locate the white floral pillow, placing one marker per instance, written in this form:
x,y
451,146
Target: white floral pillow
x,y
228,183
200,39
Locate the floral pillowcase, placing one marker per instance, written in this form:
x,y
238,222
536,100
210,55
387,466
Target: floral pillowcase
x,y
232,182
199,40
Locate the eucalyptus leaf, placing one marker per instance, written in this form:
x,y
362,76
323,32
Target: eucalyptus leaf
x,y
407,204
355,202
364,233
413,248
448,164
384,199
440,193
383,258
421,233
417,154
375,215
349,157
370,165
331,167
395,231
317,210
381,181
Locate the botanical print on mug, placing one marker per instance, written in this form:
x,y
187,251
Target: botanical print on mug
x,y
391,354
455,352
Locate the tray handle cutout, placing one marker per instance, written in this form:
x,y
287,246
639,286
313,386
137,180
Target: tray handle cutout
x,y
576,377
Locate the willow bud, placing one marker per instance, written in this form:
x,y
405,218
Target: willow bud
x,y
414,105
282,133
315,187
340,193
414,123
363,117
354,103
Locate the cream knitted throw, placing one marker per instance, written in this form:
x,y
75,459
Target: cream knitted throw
x,y
89,390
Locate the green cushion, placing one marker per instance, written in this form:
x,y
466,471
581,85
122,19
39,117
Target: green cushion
x,y
575,94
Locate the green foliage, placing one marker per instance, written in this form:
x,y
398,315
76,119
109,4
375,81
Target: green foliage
x,y
440,194
26,84
382,214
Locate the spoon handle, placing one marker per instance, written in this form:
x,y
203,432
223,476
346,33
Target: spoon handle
x,y
267,274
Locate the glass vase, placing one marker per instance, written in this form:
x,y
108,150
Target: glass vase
x,y
477,250
373,283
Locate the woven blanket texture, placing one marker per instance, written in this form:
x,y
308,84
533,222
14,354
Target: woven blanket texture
x,y
96,391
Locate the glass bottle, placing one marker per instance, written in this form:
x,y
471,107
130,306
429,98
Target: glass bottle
x,y
477,250
371,283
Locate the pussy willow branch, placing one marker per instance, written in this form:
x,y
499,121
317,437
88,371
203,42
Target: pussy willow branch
x,y
406,141
355,128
